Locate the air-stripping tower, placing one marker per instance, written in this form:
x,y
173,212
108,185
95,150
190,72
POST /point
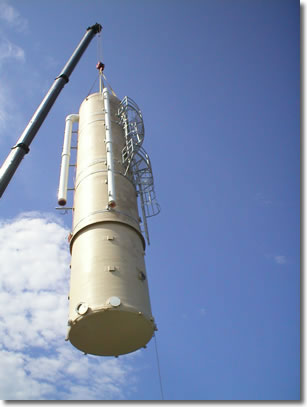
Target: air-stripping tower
x,y
109,305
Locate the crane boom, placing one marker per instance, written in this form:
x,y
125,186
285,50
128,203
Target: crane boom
x,y
21,148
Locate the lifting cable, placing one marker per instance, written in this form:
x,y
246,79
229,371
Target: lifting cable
x,y
159,370
99,47
100,74
92,86
113,93
99,58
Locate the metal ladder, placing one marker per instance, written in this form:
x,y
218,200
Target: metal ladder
x,y
136,160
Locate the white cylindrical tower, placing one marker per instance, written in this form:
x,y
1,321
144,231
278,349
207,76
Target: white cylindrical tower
x,y
109,311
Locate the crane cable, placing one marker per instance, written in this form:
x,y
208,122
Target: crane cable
x,y
92,86
99,47
100,65
99,58
100,73
159,370
111,89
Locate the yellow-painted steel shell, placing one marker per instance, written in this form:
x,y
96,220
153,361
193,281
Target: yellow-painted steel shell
x,y
109,312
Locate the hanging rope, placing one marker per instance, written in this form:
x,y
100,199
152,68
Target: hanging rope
x,y
159,371
113,93
92,86
100,67
99,47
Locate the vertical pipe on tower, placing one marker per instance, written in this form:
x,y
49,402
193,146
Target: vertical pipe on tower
x,y
109,150
62,193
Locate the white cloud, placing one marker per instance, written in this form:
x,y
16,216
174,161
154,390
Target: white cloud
x,y
5,107
15,383
12,17
280,259
36,362
9,50
10,53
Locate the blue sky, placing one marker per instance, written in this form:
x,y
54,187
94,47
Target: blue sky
x,y
218,85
